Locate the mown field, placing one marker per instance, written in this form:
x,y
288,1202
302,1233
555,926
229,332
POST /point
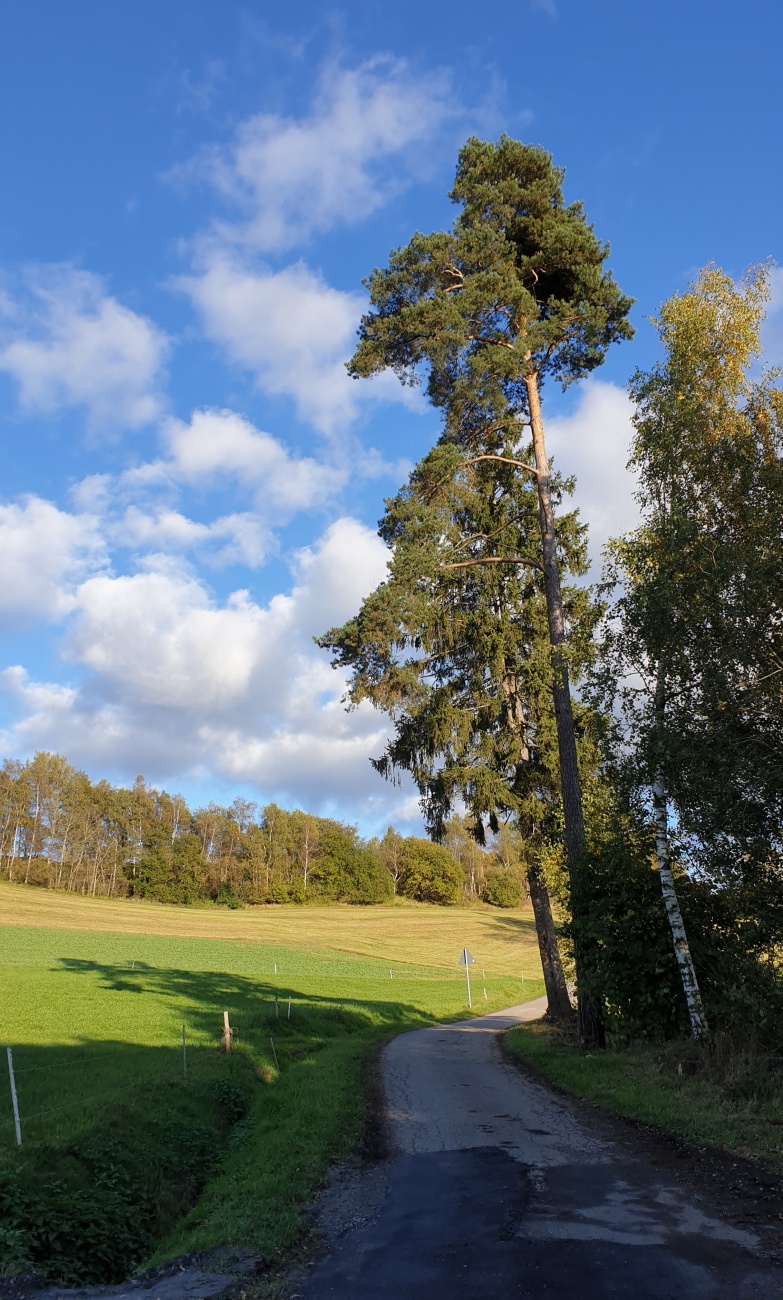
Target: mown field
x,y
124,1158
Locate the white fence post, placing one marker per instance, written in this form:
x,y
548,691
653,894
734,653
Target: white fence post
x,y
17,1125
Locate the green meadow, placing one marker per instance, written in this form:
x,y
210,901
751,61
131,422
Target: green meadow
x,y
131,1154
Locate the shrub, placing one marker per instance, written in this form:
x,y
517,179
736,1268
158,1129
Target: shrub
x,y
501,889
430,873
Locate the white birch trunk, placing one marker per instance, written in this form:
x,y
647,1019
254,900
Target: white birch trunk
x,y
699,1027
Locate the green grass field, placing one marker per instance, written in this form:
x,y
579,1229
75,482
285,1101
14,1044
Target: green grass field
x,y
95,996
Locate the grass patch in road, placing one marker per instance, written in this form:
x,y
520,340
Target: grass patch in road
x,y
95,1021
730,1099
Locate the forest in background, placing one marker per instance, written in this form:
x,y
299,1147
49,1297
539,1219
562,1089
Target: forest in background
x,y
59,830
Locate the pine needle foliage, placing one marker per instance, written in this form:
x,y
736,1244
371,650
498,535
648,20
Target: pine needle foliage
x,y
454,646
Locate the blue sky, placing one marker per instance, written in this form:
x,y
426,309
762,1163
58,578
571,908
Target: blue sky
x,y
192,194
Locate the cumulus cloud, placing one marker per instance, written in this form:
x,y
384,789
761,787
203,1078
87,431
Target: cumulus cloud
x,y
292,177
171,675
287,179
140,509
593,443
231,539
158,639
293,331
221,444
45,552
68,343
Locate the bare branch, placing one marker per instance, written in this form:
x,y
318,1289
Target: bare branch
x,y
507,460
497,559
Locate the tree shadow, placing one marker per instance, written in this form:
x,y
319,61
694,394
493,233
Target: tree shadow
x,y
201,998
514,927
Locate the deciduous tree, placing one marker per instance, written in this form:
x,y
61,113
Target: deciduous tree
x,y
694,650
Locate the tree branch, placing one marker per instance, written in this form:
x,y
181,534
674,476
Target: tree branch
x,y
496,559
507,460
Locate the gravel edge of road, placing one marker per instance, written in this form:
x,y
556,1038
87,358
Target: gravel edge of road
x,y
746,1193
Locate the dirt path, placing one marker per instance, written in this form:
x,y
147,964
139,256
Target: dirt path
x,y
496,1187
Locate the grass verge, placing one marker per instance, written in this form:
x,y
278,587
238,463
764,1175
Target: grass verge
x,y
728,1098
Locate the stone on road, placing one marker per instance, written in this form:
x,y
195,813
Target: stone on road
x,y
496,1187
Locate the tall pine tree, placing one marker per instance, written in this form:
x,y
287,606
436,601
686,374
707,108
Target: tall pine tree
x,y
454,646
516,292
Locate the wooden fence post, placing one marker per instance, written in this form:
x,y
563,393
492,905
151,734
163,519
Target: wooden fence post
x,y
226,1033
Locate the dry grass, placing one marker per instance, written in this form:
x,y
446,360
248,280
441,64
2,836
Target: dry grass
x,y
504,942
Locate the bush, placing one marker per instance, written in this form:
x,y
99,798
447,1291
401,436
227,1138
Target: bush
x,y
346,870
228,895
502,889
430,873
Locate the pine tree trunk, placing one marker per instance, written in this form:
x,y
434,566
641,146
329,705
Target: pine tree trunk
x,y
589,1012
559,1008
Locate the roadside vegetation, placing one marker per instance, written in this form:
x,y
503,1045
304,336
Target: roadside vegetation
x,y
125,1160
648,807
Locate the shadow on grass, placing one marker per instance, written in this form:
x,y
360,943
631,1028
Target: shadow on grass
x,y
116,1147
201,997
120,1140
514,927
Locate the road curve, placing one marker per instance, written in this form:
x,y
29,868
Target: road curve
x,y
496,1188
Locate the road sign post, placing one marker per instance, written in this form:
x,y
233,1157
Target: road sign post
x,y
467,961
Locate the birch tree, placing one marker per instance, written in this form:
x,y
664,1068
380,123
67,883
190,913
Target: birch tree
x,y
694,649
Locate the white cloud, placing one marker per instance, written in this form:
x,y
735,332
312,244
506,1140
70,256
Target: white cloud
x,y
289,328
593,443
288,178
45,551
294,332
69,343
220,444
158,639
231,539
176,681
293,177
140,508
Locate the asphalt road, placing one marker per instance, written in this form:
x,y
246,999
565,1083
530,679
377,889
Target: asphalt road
x,y
495,1187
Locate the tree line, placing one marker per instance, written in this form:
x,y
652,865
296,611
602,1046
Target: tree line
x,y
62,831
649,805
